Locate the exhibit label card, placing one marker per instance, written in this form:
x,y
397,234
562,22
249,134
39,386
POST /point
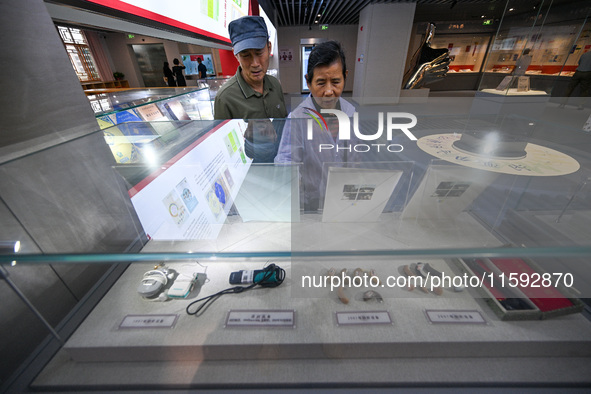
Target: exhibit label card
x,y
363,318
454,317
149,321
261,318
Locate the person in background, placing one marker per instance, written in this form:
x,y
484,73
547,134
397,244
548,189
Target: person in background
x,y
326,76
582,76
168,75
177,69
250,93
202,69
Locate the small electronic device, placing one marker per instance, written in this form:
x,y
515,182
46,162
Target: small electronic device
x,y
270,276
154,281
182,285
245,277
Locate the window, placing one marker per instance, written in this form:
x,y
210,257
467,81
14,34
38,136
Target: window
x,y
79,53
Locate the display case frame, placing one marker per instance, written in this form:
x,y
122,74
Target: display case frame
x,y
528,217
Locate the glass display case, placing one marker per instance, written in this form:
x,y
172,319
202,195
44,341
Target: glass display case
x,y
532,48
465,253
154,104
214,84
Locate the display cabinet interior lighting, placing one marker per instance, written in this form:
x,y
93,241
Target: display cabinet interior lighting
x,y
10,247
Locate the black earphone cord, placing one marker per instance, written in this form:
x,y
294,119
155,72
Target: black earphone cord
x,y
269,271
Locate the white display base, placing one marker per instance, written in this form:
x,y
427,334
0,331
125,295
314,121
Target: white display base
x,y
515,92
510,102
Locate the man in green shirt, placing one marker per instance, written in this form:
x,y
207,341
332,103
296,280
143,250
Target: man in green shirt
x,y
251,93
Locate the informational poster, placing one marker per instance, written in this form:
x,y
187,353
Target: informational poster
x,y
207,17
151,113
357,194
286,55
129,142
306,49
190,61
189,196
447,190
161,122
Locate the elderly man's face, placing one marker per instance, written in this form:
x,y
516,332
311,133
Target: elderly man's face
x,y
327,84
254,63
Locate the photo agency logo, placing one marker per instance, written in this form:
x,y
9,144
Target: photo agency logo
x,y
344,130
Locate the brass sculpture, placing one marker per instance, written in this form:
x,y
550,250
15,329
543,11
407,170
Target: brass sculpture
x,y
428,64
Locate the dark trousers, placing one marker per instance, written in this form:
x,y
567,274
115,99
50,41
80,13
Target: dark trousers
x,y
582,78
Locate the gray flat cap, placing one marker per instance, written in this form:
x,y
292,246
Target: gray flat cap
x,y
248,32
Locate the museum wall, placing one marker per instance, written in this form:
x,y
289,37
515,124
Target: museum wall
x,y
289,38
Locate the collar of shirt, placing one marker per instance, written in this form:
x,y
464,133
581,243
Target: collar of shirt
x,y
247,90
318,108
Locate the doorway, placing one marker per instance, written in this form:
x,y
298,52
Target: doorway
x,y
150,59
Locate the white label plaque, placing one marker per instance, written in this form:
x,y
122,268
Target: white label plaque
x,y
149,321
455,317
261,318
371,317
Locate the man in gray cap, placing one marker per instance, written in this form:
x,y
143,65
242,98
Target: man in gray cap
x,y
251,93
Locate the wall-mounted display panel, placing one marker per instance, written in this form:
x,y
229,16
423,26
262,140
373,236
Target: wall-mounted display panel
x,y
582,45
532,45
191,63
304,55
466,51
208,18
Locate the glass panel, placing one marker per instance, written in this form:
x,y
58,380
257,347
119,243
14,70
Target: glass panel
x,y
158,104
445,234
87,56
78,36
77,62
531,44
150,59
65,34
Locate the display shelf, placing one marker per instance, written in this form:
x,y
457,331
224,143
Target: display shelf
x,y
118,84
199,202
153,104
99,353
529,46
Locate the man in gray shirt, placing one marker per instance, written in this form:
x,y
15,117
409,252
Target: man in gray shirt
x,y
582,76
251,93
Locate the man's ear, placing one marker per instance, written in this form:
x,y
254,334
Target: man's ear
x,y
269,45
346,73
